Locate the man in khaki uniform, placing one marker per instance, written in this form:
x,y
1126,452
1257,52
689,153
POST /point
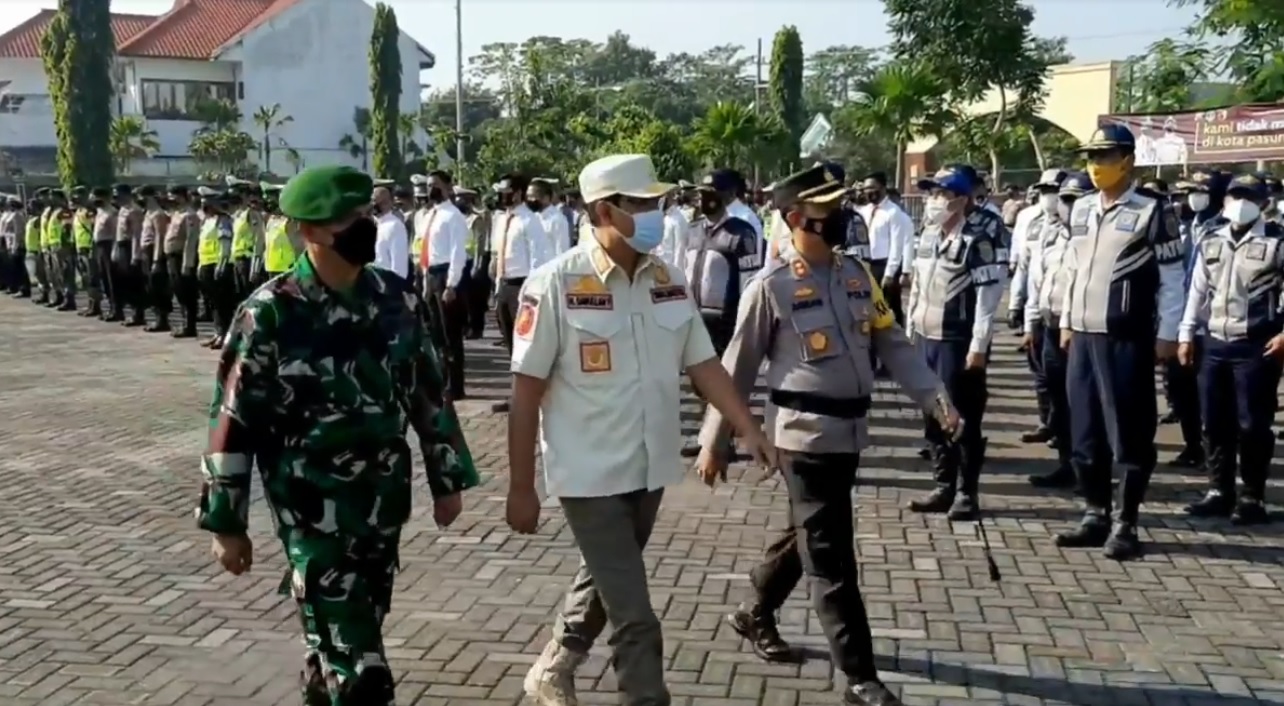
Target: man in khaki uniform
x,y
129,234
101,283
179,248
813,314
150,258
602,336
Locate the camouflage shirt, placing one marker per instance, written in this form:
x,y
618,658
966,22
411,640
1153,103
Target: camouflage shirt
x,y
318,388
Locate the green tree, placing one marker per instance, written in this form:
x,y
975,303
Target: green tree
x,y
357,142
976,52
77,51
385,93
269,119
834,73
785,85
902,101
131,140
1250,46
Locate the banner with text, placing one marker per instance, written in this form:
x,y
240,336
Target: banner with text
x,y
1244,133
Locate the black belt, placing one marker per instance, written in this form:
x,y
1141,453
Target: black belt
x,y
811,403
439,269
513,281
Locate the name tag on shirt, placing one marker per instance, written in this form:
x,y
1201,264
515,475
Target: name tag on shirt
x,y
601,302
802,304
677,292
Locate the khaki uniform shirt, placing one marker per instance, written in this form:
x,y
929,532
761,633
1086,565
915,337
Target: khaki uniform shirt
x,y
105,224
613,350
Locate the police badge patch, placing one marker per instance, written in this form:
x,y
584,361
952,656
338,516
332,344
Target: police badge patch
x,y
1127,221
1255,251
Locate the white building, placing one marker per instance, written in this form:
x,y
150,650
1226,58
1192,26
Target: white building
x,y
308,56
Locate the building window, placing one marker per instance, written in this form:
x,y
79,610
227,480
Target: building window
x,y
179,100
26,104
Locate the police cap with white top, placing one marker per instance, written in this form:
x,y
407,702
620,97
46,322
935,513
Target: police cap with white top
x,y
1076,184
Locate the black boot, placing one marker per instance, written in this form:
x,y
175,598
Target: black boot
x,y
945,459
759,628
139,318
967,503
55,302
68,304
1123,543
185,332
161,325
870,693
1061,477
1219,462
1039,435
1190,457
1093,531
1255,468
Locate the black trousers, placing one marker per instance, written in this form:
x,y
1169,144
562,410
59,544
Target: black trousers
x,y
185,287
128,288
1052,359
21,279
958,466
6,270
159,296
506,303
1181,385
477,295
819,544
454,317
217,285
106,276
1238,386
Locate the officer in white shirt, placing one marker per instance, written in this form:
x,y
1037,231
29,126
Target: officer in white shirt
x,y
677,234
732,187
891,240
557,231
392,244
604,334
443,258
516,239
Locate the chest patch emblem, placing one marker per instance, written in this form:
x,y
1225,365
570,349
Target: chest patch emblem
x,y
1256,252
595,357
1127,221
818,342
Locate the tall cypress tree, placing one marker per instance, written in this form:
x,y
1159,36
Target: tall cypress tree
x,y
78,49
785,86
385,93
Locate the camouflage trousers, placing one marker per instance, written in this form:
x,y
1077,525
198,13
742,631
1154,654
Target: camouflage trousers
x,y
343,588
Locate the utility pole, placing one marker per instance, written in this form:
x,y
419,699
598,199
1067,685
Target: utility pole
x,y
757,103
459,87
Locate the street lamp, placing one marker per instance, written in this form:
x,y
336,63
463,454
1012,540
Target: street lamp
x,y
459,86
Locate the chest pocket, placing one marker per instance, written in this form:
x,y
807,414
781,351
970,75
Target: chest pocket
x,y
594,356
818,334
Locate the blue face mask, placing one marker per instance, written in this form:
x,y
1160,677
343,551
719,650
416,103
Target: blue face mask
x,y
648,231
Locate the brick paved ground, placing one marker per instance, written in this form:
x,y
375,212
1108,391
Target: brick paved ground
x,y
107,594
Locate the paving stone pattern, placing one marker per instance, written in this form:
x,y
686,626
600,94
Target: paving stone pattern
x,y
108,594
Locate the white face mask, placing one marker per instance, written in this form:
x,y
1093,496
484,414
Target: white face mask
x,y
936,211
1198,201
1241,212
1050,202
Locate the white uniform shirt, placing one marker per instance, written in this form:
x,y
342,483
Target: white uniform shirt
x,y
447,240
891,234
557,232
392,245
516,238
1021,231
677,235
739,210
613,351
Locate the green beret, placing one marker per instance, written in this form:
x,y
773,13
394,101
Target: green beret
x,y
325,194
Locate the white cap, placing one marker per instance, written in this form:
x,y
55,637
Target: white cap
x,y
1050,177
461,191
623,174
206,191
418,179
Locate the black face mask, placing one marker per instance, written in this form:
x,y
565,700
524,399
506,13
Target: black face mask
x,y
356,243
436,194
535,206
711,206
874,196
832,229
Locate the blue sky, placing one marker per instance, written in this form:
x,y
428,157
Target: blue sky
x,y
1098,30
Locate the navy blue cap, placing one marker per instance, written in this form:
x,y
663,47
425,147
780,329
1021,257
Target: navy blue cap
x,y
1200,180
1076,184
1249,186
960,179
723,180
1111,136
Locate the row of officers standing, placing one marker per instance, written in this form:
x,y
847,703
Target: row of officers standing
x,y
134,250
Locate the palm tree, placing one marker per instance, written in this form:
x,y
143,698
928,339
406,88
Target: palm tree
x,y
217,116
901,102
357,143
269,118
727,134
129,140
294,158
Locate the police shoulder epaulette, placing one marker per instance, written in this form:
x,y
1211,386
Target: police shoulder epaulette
x,y
1274,229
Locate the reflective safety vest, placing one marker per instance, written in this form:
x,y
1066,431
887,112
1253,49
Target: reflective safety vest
x,y
280,251
208,248
32,238
84,229
242,235
48,233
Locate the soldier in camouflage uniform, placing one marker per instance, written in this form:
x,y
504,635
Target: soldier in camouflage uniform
x,y
325,369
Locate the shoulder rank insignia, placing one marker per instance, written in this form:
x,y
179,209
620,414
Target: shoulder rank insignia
x,y
587,284
661,275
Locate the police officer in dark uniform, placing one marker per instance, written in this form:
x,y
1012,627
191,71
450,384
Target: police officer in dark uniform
x,y
813,313
1203,192
960,273
1235,293
1125,269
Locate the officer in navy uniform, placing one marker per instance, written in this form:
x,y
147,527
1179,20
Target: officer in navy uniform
x,y
1235,293
813,313
1125,269
1203,192
960,273
1045,283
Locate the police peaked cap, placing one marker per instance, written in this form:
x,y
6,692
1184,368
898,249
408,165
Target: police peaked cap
x,y
79,190
1076,184
1112,136
1157,185
1201,180
206,192
100,192
1249,186
123,189
177,190
724,180
147,191
1050,178
819,184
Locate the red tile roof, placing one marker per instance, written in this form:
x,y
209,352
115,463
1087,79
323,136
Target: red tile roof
x,y
192,29
23,41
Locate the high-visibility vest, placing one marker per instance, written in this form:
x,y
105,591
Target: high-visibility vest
x,y
48,221
242,235
208,249
280,251
32,239
84,229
